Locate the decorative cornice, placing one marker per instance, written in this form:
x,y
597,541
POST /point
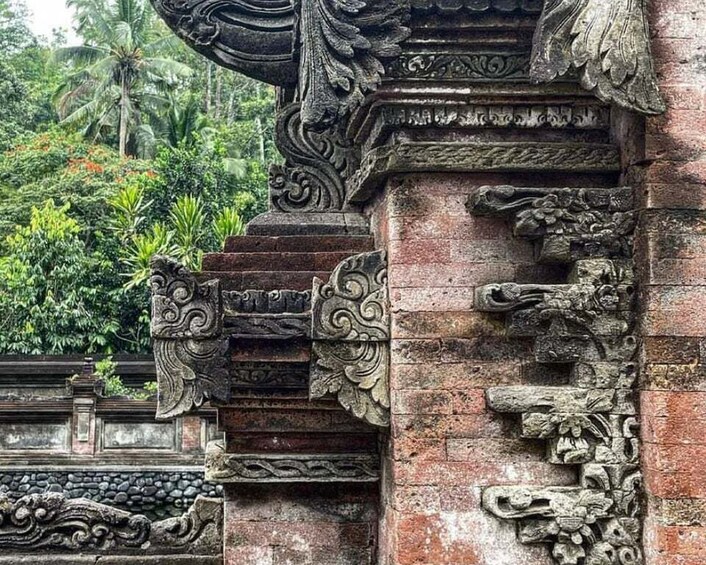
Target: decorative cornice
x,y
457,157
351,333
225,467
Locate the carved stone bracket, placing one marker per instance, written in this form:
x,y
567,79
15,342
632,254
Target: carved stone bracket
x,y
351,333
225,467
188,342
588,323
568,223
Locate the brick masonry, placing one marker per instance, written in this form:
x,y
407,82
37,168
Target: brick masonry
x,y
672,255
445,445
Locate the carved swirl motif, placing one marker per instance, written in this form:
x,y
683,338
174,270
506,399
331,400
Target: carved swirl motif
x,y
181,306
313,176
351,332
51,521
352,306
189,372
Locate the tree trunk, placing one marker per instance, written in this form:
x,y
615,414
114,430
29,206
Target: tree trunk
x,y
261,138
218,93
209,86
124,114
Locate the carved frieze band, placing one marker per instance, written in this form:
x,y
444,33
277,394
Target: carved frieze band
x,y
589,323
418,157
225,467
51,522
351,333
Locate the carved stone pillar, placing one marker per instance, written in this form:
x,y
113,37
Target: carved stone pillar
x,y
336,357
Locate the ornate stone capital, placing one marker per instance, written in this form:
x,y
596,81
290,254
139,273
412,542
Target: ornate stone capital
x,y
351,333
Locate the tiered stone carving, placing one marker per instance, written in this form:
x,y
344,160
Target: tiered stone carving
x,y
587,322
351,333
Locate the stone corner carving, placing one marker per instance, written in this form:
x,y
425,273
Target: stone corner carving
x,y
188,342
351,333
608,43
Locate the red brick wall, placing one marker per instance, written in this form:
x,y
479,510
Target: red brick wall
x,y
445,445
672,262
301,524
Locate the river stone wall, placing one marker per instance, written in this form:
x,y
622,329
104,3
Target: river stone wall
x,y
155,494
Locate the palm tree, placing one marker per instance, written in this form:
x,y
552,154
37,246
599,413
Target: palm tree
x,y
120,70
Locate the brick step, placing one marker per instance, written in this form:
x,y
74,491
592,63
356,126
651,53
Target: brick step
x,y
273,261
299,244
264,280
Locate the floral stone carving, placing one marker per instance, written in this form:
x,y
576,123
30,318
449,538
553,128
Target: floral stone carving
x,y
588,323
351,333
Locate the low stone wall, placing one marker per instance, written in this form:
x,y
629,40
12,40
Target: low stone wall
x,y
156,494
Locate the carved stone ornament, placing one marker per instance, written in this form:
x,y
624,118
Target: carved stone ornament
x,y
51,522
189,349
312,179
570,223
329,49
607,42
587,322
226,467
351,333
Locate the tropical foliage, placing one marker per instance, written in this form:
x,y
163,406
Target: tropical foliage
x,y
122,146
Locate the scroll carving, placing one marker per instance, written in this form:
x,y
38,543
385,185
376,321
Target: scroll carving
x,y
351,333
587,322
51,521
189,349
608,43
312,178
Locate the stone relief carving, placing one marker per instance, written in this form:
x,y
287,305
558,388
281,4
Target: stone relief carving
x,y
608,43
263,468
592,421
570,223
472,66
52,522
187,326
351,333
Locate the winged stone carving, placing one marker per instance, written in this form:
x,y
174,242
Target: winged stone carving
x,y
607,42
